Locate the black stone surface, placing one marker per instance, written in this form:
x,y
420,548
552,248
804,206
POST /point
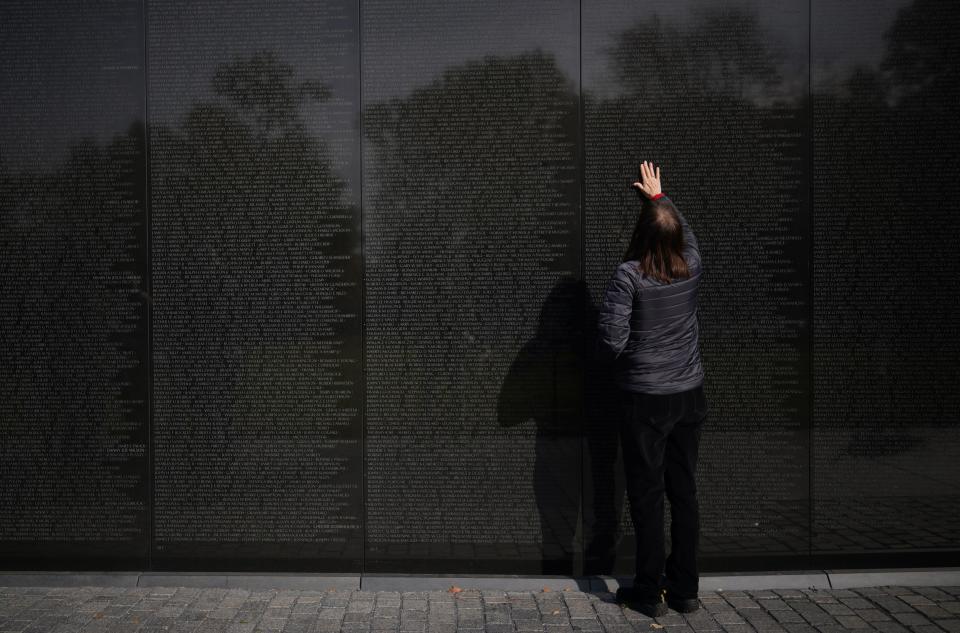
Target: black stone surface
x,y
472,245
255,226
331,309
885,136
717,96
74,278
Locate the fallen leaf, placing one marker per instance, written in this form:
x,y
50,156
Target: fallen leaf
x,y
546,589
654,625
556,612
98,615
454,589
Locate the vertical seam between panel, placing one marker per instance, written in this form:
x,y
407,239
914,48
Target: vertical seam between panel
x,y
363,305
810,294
149,279
584,296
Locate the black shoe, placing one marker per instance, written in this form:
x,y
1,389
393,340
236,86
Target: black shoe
x,y
683,605
627,597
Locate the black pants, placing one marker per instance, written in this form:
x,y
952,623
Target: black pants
x,y
660,435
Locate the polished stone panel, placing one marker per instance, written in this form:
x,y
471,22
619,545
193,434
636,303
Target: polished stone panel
x,y
715,93
472,300
254,193
332,309
886,478
74,276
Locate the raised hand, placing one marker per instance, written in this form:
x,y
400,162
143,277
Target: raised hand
x,y
649,183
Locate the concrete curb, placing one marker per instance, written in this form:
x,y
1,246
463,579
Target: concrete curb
x,y
940,576
820,579
316,582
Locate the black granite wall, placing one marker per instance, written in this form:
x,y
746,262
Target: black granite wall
x,y
311,286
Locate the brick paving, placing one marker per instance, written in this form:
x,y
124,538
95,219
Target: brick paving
x,y
889,609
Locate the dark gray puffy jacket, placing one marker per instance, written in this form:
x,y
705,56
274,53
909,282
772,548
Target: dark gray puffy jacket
x,y
649,330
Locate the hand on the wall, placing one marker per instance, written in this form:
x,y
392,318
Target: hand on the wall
x,y
650,185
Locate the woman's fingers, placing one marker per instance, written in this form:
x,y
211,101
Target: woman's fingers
x,y
648,174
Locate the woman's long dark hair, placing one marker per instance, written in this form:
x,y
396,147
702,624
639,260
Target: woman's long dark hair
x,y
657,242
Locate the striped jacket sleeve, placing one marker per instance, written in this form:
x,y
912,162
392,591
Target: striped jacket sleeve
x,y
689,237
613,321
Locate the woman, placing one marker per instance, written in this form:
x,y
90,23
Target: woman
x,y
648,329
